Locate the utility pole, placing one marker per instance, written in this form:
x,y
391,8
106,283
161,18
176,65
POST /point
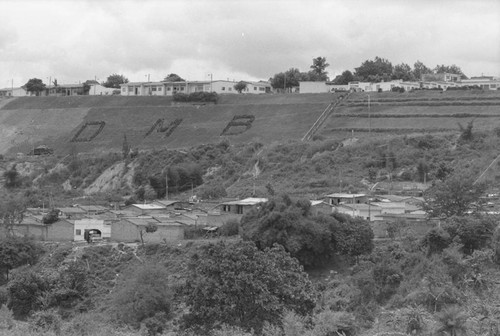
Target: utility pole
x,y
284,82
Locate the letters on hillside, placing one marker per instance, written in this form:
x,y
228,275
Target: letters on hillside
x,y
91,129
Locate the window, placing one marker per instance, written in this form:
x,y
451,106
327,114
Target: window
x,y
223,88
239,209
254,88
230,89
130,89
262,89
78,232
124,89
182,88
168,88
153,88
159,88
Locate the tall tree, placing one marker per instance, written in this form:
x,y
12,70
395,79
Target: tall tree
x,y
35,85
420,69
377,70
318,67
240,285
403,71
344,78
288,79
456,195
114,81
173,78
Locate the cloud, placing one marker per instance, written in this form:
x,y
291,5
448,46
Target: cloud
x,y
77,40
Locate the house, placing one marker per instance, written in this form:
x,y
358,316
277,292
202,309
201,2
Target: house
x,y
321,207
441,77
66,90
72,213
343,198
147,209
365,211
93,209
13,92
99,90
32,226
83,226
130,230
240,207
390,207
187,87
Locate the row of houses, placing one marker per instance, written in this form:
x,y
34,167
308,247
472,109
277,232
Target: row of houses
x,y
142,89
187,87
61,90
128,224
172,218
429,81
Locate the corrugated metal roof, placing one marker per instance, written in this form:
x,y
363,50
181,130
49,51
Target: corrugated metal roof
x,y
247,201
344,195
150,206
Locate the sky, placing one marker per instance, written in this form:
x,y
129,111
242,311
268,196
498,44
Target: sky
x,y
77,40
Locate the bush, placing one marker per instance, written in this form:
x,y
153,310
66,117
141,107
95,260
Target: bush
x,y
46,320
230,228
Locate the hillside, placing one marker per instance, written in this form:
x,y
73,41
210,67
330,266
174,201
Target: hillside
x,y
98,124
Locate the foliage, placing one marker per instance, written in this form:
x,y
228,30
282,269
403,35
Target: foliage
x,y
6,318
318,67
352,236
374,71
230,228
150,228
200,96
125,147
114,81
403,71
212,190
240,86
456,195
473,232
241,286
452,69
436,240
466,132
11,213
173,78
344,78
35,85
16,252
12,178
46,320
51,217
452,321
292,226
25,287
142,295
288,79
420,69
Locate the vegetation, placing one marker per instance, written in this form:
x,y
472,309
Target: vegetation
x,y
240,86
114,81
35,85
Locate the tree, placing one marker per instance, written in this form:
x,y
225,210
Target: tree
x,y
114,81
125,147
344,78
451,69
240,86
473,232
24,290
403,71
51,217
142,295
374,71
420,69
11,213
456,195
318,67
304,236
351,236
11,178
16,252
242,286
173,78
288,79
35,85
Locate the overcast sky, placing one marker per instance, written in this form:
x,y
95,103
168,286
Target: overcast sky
x,y
249,39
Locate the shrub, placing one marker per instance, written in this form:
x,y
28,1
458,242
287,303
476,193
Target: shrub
x,y
46,320
230,228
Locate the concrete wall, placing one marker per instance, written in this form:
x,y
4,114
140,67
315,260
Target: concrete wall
x,y
91,224
313,87
124,231
165,233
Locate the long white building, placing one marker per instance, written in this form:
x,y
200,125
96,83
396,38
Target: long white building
x,y
187,87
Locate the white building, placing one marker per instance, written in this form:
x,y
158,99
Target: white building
x,y
187,87
99,90
100,229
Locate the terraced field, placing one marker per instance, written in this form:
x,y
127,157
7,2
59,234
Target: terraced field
x,y
415,112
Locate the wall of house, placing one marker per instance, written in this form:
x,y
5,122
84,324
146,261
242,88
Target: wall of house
x,y
99,90
124,231
60,231
165,233
36,231
313,87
